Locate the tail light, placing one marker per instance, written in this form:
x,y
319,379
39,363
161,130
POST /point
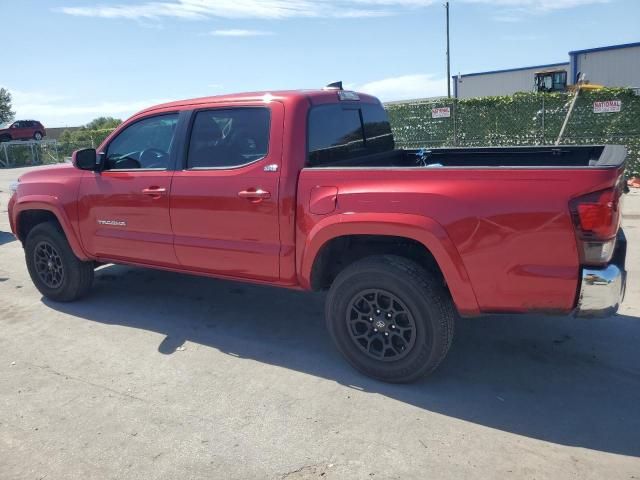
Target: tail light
x,y
596,217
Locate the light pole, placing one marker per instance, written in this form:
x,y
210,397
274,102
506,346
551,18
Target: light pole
x,y
446,6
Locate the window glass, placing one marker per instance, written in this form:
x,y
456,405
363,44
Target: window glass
x,y
230,137
377,129
335,134
144,144
559,80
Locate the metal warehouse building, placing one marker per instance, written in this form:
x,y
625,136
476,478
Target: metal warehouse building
x,y
612,66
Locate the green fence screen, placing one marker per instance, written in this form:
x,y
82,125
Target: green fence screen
x,y
521,119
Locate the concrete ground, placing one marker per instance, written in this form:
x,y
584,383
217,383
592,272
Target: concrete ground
x,y
163,376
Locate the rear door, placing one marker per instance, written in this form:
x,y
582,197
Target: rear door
x,y
224,201
36,127
124,210
25,130
30,129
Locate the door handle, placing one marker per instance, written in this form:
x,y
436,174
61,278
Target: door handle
x,y
255,195
154,192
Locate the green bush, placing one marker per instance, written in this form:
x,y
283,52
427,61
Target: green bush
x,y
18,155
521,119
46,152
71,140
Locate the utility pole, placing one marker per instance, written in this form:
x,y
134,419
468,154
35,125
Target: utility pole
x,y
446,6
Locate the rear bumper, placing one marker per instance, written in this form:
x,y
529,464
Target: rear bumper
x,y
602,289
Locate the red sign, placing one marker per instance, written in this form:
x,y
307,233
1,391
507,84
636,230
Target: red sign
x,y
441,112
607,106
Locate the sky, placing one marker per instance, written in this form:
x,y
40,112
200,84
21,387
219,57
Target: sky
x,y
70,61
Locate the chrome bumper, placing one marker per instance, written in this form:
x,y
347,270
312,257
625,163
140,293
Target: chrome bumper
x,y
601,292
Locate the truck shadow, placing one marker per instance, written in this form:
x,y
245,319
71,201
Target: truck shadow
x,y
6,237
566,381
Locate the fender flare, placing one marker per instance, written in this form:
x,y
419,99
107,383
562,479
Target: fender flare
x,y
424,230
50,204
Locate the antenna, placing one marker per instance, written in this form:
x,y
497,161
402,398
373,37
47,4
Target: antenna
x,y
334,86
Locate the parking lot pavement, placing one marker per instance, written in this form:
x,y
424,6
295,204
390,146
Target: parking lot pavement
x,y
158,375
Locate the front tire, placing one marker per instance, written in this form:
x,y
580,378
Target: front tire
x,y
54,269
390,318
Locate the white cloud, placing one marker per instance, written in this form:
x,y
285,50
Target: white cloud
x,y
396,3
239,33
405,87
202,9
515,10
58,110
280,9
535,6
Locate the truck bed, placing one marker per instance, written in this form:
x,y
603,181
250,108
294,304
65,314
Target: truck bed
x,y
505,211
563,156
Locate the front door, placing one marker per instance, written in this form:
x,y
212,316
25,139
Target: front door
x,y
19,131
224,202
124,210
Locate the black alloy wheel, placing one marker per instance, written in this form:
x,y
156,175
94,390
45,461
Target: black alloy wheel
x,y
381,325
48,264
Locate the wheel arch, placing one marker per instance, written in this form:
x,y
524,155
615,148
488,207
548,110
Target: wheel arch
x,y
33,211
336,242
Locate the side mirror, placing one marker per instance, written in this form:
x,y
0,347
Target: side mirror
x,y
85,159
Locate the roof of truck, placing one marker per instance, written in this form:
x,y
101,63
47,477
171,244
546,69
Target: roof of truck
x,y
264,96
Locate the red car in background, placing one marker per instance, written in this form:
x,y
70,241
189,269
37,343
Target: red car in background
x,y
23,130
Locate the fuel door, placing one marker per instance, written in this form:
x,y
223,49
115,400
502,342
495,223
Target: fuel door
x,y
323,200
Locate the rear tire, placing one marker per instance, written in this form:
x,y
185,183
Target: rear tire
x,y
390,318
37,136
54,269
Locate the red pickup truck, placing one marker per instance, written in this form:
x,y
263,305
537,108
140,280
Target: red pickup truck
x,y
306,190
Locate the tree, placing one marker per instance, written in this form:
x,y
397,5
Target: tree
x,y
103,123
6,115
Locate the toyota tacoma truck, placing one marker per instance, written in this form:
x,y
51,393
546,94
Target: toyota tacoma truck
x,y
307,190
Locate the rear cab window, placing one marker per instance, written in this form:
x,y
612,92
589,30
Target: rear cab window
x,y
344,131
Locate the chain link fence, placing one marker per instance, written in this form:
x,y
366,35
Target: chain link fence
x,y
23,153
522,119
32,152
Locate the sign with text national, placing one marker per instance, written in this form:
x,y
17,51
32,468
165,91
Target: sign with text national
x,y
607,106
441,112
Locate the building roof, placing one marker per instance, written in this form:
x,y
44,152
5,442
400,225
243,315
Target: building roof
x,y
532,67
602,49
571,54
